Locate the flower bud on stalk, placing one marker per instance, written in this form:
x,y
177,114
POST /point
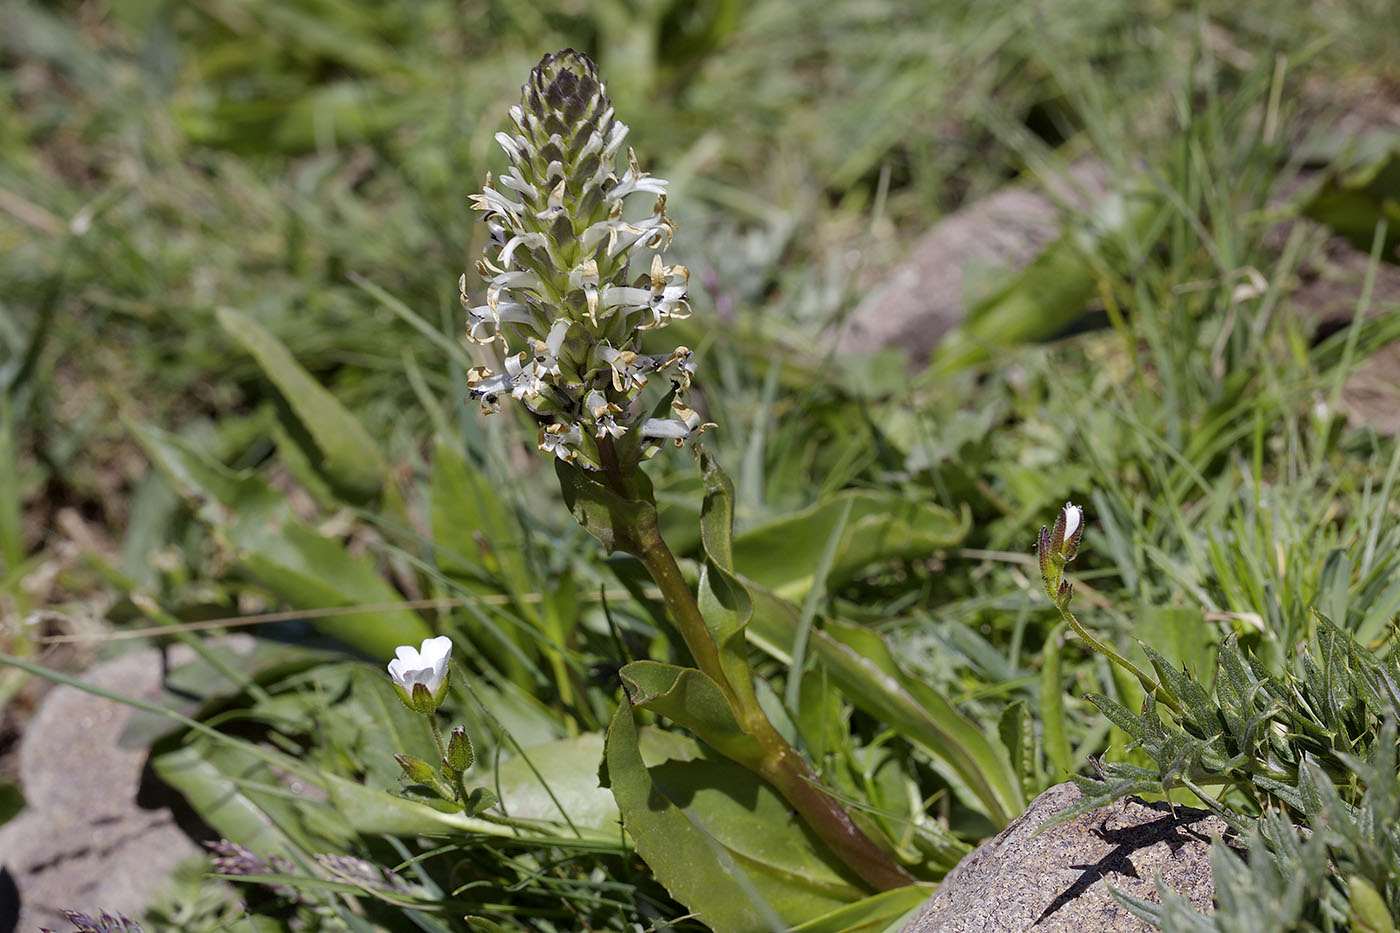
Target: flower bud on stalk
x,y
558,295
1057,547
460,754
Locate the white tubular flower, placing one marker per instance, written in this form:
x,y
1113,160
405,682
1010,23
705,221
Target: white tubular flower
x,y
1074,516
634,179
547,350
561,440
585,277
627,373
604,415
665,428
487,387
680,429
525,381
420,675
667,299
491,199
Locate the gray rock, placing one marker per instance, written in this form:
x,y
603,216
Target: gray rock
x,y
84,841
926,295
1057,882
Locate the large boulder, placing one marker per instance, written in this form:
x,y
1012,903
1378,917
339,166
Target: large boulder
x,y
1058,881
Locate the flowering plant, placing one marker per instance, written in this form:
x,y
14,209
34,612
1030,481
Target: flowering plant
x,y
557,270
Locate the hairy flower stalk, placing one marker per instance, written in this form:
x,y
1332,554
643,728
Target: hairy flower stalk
x,y
559,297
562,301
1055,548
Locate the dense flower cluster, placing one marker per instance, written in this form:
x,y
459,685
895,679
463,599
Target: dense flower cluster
x,y
558,297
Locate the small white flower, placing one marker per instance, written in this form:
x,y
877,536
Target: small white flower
x,y
1074,515
426,665
1066,542
634,179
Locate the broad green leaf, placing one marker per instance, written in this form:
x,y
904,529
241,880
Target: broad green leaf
x,y
879,913
723,843
862,666
561,774
1379,613
240,797
481,545
815,593
384,727
1182,636
1369,912
213,679
349,457
1334,585
688,697
304,568
783,554
370,811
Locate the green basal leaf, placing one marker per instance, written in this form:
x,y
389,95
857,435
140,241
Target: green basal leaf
x,y
1369,912
720,841
783,554
381,727
558,782
1361,191
302,567
370,811
958,746
474,532
350,459
244,801
688,697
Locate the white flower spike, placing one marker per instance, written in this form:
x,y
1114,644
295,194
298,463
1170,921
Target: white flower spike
x,y
420,675
562,297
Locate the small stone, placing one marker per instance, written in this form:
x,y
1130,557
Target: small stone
x,y
1057,882
85,840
